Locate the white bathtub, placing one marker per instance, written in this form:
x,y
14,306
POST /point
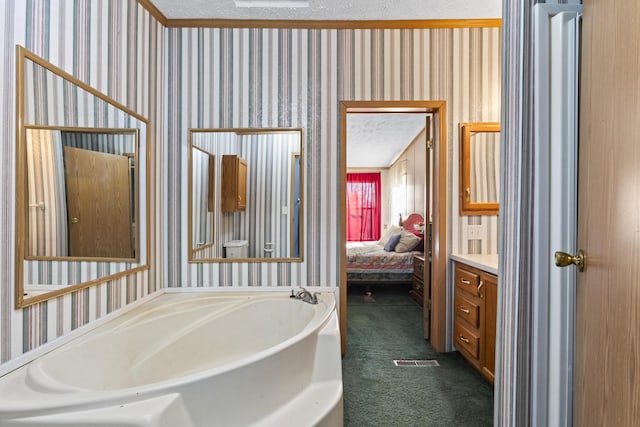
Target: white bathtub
x,y
190,359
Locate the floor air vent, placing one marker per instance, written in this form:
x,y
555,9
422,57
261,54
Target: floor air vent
x,y
419,363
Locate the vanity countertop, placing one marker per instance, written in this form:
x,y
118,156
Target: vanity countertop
x,y
488,263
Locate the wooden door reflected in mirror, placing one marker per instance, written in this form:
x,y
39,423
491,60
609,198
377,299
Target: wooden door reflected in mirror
x,y
479,168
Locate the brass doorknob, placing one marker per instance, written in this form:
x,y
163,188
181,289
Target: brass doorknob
x,y
563,259
75,220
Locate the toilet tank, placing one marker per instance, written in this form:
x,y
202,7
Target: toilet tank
x,y
236,249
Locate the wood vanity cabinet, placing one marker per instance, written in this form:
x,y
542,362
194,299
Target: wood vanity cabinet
x,y
490,309
474,324
234,184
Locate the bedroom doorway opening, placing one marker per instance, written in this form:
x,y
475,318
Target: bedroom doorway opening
x,y
375,117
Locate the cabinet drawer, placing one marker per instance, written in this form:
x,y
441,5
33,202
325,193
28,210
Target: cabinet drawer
x,y
466,340
418,267
467,280
417,290
418,285
467,310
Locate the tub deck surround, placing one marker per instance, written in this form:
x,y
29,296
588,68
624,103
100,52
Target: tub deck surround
x,y
190,359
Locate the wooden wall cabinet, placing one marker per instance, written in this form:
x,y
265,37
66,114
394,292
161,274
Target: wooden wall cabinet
x,y
474,325
234,184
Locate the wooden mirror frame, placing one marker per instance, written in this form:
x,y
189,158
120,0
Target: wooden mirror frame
x,y
466,206
133,265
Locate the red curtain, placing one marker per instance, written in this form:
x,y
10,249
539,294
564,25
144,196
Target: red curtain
x,y
363,206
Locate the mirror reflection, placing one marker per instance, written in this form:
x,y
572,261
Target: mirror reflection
x,y
479,168
252,189
81,191
202,200
81,171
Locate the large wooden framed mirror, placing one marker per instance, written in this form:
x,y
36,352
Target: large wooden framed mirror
x,y
245,195
479,168
82,196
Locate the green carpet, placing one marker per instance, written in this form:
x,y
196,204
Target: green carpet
x,y
388,325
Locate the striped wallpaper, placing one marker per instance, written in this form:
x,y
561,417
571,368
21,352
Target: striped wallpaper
x,y
116,47
296,78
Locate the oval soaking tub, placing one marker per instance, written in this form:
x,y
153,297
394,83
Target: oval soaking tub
x,y
190,359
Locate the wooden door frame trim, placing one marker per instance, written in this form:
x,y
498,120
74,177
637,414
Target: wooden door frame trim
x,y
439,250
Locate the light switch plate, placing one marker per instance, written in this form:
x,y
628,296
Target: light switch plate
x,y
475,232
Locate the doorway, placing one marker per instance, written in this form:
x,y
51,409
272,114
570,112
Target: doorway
x,y
438,213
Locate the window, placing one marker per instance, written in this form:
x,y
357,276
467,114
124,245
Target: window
x,y
363,206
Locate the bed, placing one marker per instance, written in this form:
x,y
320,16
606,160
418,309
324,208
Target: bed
x,y
378,262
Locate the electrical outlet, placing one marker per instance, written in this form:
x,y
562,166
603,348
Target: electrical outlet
x,y
475,232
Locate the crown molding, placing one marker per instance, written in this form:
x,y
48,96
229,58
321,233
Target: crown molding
x,y
337,24
317,24
154,11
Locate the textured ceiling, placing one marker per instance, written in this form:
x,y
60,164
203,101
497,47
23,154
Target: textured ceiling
x,y
376,139
331,9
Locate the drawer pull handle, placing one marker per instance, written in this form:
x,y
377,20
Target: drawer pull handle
x,y
465,282
480,288
463,339
464,310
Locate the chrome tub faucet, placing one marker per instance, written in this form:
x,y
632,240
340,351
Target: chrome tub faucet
x,y
306,296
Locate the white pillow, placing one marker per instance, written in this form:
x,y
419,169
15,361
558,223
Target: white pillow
x,y
407,242
394,229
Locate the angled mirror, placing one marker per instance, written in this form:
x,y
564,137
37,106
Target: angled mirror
x,y
81,184
479,168
245,195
